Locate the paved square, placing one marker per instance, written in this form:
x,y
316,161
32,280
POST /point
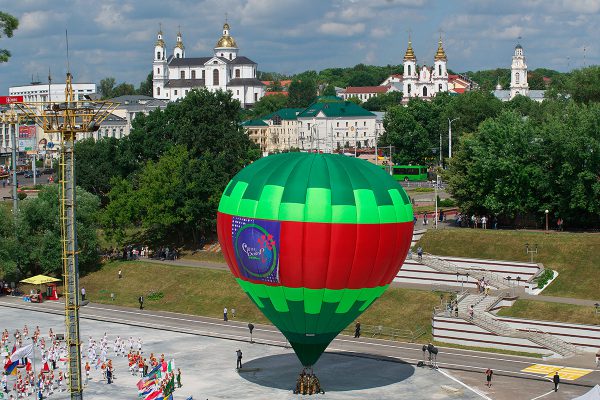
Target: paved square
x,y
566,373
208,367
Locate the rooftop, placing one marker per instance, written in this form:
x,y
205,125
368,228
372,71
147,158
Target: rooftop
x,y
332,110
367,89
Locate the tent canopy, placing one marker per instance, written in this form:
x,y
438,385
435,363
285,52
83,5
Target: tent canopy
x,y
40,280
593,394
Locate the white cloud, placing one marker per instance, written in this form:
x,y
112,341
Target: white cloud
x,y
380,32
35,21
112,15
339,29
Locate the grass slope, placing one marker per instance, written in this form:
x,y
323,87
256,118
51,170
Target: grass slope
x,y
574,255
540,310
206,292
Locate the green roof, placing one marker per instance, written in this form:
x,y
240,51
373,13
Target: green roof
x,y
345,109
331,99
254,122
285,113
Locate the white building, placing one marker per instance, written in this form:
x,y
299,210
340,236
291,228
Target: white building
x,y
39,91
424,82
175,75
518,80
364,93
336,126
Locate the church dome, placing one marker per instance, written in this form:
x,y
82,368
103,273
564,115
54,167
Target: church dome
x,y
226,40
410,54
440,55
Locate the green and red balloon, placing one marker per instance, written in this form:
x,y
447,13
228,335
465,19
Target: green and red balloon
x,y
314,239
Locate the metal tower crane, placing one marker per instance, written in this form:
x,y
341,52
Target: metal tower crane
x,y
67,119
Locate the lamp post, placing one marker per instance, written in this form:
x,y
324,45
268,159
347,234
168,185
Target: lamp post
x,y
546,212
450,136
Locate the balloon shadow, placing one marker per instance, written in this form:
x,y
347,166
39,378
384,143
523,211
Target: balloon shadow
x,y
336,371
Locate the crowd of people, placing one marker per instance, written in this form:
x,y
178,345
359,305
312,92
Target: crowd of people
x,y
476,221
50,376
129,253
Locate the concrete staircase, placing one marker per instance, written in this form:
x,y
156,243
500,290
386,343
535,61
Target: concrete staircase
x,y
440,265
482,303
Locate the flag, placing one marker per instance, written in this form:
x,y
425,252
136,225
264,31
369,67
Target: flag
x,y
28,366
154,395
22,352
152,373
171,366
190,398
164,366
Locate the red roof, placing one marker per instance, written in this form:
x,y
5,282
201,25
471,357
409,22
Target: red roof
x,y
273,93
459,90
367,89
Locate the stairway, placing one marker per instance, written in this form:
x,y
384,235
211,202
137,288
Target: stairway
x,y
482,303
440,265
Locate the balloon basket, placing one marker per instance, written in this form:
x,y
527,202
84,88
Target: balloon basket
x,y
308,383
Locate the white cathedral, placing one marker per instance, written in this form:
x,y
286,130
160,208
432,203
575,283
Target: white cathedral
x,y
424,82
518,80
175,75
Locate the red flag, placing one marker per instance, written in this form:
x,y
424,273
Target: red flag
x,y
164,366
28,366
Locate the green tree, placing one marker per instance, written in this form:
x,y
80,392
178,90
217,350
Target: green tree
x,y
107,86
583,85
329,90
268,104
383,101
32,244
146,87
8,24
302,93
410,140
363,78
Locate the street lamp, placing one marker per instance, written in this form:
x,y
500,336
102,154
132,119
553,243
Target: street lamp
x,y
450,136
546,212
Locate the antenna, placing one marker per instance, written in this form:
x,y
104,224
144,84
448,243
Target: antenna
x,y
583,56
49,85
67,39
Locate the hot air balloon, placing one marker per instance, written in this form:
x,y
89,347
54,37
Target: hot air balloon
x,y
313,239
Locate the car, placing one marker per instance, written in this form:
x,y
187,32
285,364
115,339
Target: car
x,y
28,174
47,171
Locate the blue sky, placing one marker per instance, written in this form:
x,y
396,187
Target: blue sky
x,y
116,37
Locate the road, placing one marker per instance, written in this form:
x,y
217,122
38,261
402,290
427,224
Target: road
x,y
467,365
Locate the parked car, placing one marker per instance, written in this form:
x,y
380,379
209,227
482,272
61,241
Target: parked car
x,y
47,171
29,174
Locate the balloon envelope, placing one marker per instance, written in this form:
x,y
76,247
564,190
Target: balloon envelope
x,y
313,239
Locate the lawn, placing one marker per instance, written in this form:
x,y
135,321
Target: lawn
x,y
574,255
205,292
541,310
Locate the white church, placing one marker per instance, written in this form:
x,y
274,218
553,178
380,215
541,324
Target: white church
x,y
175,75
424,82
518,80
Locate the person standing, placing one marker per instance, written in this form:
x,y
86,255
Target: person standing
x,y
424,218
225,314
141,300
420,252
556,380
239,359
178,377
120,274
233,313
357,329
484,222
109,375
82,294
488,377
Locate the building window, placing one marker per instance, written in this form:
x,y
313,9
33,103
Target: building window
x,y
424,91
177,55
158,71
409,88
365,123
237,72
517,77
216,77
158,91
337,124
193,74
182,74
158,55
221,54
121,133
114,132
409,70
346,124
255,97
175,92
439,70
203,77
230,56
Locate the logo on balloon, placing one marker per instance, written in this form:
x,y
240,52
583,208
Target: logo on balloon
x,y
256,245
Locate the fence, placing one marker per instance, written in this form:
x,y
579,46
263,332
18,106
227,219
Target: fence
x,y
384,332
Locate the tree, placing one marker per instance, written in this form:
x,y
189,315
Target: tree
x,y
302,93
409,138
32,244
329,90
583,85
123,89
268,104
383,101
363,78
107,86
355,100
8,24
146,86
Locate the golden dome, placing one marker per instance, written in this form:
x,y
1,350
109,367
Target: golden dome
x,y
160,43
226,40
410,54
440,55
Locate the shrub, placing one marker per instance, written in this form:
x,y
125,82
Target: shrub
x,y
544,277
155,295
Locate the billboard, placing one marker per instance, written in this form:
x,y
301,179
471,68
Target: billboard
x,y
27,132
11,99
26,144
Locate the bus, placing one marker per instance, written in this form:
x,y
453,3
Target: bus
x,y
410,173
